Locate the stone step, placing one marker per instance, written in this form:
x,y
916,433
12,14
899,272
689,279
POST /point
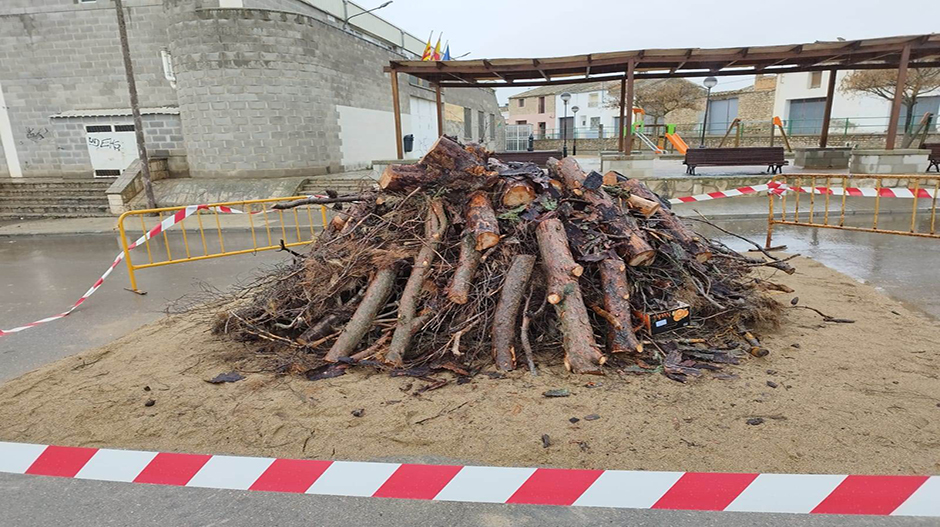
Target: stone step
x,y
52,201
49,185
6,193
52,211
5,215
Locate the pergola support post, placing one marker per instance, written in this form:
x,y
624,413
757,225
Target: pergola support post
x,y
440,110
628,143
827,112
623,95
396,109
898,98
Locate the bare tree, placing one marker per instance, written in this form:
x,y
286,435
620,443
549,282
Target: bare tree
x,y
660,97
882,83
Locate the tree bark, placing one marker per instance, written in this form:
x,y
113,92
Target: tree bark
x,y
581,352
671,223
616,288
447,154
481,221
634,248
644,206
361,321
459,289
397,178
434,228
518,192
507,311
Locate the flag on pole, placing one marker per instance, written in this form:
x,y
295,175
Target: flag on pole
x,y
427,48
446,51
437,49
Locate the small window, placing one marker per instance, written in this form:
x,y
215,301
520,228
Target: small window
x,y
522,122
98,128
107,173
595,122
541,104
87,1
541,130
123,128
467,123
492,127
593,100
521,103
815,79
481,125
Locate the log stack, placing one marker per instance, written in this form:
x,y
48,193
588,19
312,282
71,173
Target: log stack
x,y
453,255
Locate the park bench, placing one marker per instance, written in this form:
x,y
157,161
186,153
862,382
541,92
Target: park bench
x,y
539,157
772,156
934,156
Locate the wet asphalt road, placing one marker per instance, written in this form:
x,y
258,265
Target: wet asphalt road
x,y
40,276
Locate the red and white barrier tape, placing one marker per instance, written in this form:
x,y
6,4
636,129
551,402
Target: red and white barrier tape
x,y
744,492
774,187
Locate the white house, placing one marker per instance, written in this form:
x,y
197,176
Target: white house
x,y
597,114
800,99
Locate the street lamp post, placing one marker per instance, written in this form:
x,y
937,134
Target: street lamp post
x,y
565,97
346,20
574,130
709,83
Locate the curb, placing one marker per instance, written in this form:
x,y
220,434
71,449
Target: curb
x,y
741,492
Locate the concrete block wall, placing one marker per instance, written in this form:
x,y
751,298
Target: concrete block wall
x,y
908,161
260,91
61,55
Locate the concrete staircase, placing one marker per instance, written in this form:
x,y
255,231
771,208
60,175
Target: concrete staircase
x,y
347,183
53,198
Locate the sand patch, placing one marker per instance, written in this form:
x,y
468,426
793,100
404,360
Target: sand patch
x,y
856,398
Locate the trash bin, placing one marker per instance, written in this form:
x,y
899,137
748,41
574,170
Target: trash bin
x,y
409,142
531,146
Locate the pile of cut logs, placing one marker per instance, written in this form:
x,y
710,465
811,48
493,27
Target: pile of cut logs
x,y
453,260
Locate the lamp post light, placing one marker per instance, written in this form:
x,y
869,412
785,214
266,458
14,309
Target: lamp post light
x,y
574,130
709,83
348,18
565,97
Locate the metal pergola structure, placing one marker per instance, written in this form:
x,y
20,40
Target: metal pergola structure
x,y
901,53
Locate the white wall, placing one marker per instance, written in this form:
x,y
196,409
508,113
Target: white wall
x,y
585,112
366,135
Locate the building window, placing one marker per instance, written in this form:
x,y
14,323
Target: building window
x,y
481,125
521,103
87,1
492,127
720,114
806,116
523,121
467,123
594,100
541,104
595,122
815,79
923,105
541,130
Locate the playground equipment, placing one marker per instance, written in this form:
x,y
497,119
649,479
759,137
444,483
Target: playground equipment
x,y
638,127
677,142
777,123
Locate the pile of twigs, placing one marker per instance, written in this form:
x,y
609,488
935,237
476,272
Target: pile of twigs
x,y
461,261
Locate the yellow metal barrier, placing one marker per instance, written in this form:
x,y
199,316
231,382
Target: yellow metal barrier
x,y
833,189
293,227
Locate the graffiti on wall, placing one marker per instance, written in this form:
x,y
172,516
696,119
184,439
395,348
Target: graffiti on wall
x,y
36,134
105,143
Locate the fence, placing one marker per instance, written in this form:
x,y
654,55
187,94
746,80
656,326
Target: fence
x,y
279,228
914,187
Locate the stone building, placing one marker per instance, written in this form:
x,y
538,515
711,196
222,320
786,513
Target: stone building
x,y
228,88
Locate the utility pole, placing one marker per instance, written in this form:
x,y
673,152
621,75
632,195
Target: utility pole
x,y
135,106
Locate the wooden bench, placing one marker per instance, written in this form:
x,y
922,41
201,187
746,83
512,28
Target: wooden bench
x,y
772,156
539,157
934,156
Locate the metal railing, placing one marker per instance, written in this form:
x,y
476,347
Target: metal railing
x,y
823,201
270,229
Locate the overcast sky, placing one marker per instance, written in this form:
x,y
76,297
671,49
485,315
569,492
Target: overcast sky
x,y
545,28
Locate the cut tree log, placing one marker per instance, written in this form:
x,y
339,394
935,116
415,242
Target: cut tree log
x,y
397,178
616,288
449,155
481,221
458,291
642,205
507,311
518,192
634,248
434,228
581,352
361,321
446,164
670,222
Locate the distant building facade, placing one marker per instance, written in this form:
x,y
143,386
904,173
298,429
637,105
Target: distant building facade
x,y
228,88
